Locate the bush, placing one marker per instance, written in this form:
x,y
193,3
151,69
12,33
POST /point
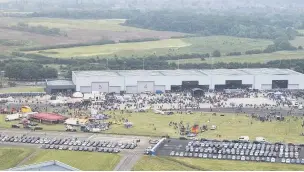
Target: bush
x,y
216,53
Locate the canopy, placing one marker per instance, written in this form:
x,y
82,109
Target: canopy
x,y
78,95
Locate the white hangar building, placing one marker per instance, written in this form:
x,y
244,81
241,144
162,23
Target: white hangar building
x,y
137,81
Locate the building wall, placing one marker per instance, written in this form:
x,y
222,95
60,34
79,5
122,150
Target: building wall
x,y
266,79
257,81
221,79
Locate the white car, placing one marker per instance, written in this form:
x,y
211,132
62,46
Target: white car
x,y
288,161
272,160
205,156
283,160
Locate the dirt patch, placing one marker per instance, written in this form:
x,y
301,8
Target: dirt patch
x,y
36,38
95,35
81,36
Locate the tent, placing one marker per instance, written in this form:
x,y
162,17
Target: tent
x,y
277,93
78,95
26,109
128,124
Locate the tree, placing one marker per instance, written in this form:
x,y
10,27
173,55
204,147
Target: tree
x,y
216,53
300,47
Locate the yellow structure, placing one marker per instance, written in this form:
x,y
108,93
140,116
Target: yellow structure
x,y
26,109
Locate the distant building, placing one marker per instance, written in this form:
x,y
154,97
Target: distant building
x,y
45,166
160,81
139,81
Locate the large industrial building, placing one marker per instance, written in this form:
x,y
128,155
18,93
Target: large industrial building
x,y
138,81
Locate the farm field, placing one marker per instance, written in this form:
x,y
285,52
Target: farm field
x,y
194,164
190,45
230,126
78,31
254,58
10,157
86,161
112,49
20,89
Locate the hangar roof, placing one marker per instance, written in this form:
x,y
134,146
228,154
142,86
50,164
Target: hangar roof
x,y
59,82
247,71
45,166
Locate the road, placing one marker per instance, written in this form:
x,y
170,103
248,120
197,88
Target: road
x,y
129,156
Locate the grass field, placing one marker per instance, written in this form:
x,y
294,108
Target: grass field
x,y
147,163
21,89
229,126
86,161
112,49
164,47
10,157
255,58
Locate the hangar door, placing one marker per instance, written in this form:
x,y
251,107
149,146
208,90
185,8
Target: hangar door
x,y
131,89
266,86
160,88
85,89
114,89
293,86
102,87
145,86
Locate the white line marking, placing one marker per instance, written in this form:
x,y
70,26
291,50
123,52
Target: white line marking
x,y
91,136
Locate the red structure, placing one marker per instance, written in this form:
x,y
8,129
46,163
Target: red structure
x,y
50,118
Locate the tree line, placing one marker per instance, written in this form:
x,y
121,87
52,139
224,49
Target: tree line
x,y
43,30
28,71
250,26
33,69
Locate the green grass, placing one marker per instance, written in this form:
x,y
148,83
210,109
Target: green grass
x,y
230,126
21,89
112,49
86,161
10,157
196,164
148,163
255,58
163,47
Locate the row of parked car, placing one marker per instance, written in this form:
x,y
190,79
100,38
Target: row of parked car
x,y
247,149
81,148
238,157
67,142
246,145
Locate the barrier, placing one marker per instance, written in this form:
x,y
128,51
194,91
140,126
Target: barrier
x,y
156,146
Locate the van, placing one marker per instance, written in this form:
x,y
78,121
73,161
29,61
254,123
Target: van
x,y
244,138
260,139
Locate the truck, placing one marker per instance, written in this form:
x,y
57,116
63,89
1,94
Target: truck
x,y
12,117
